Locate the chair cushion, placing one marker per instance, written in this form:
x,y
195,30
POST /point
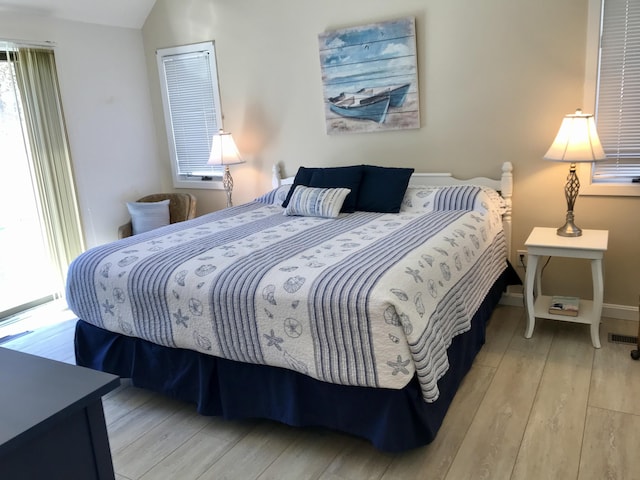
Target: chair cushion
x,y
147,216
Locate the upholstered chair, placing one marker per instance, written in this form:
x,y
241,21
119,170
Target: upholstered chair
x,y
182,206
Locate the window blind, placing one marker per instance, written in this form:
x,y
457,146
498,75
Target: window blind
x,y
192,108
618,94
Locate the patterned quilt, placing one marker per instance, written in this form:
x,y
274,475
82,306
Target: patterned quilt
x,y
366,299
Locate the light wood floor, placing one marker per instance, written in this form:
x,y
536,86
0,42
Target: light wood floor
x,y
551,407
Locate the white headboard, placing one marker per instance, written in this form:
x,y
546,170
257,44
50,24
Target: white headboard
x,y
503,185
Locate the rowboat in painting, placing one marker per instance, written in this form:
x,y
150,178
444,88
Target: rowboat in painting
x,y
397,93
364,108
369,103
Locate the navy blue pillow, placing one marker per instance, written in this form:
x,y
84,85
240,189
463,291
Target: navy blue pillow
x,y
382,188
340,177
303,177
332,177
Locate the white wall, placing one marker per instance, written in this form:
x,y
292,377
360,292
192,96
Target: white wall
x,y
496,77
107,106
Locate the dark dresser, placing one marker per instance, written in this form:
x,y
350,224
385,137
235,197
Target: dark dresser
x,y
51,419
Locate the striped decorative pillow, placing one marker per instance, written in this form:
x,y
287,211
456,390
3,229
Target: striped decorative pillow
x,y
316,202
458,197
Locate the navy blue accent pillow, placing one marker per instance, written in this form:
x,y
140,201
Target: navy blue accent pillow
x,y
303,177
340,177
382,188
331,177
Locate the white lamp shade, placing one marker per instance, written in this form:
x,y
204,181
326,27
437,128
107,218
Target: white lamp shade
x,y
577,140
224,150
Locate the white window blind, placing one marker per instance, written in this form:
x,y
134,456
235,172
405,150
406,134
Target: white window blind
x,y
191,101
618,95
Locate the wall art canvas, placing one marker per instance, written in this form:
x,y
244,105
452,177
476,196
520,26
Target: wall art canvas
x,y
370,77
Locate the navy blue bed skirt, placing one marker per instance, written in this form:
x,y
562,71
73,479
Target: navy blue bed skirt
x,y
392,420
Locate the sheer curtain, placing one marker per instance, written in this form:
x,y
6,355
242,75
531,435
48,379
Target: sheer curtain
x,y
37,81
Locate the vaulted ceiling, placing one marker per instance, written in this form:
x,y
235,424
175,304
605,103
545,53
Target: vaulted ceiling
x,y
119,13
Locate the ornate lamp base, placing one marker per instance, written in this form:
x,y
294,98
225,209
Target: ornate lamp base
x,y
569,229
227,183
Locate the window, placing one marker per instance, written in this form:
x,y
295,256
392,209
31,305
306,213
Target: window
x,y
191,102
617,107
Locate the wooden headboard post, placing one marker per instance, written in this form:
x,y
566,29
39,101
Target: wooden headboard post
x,y
506,191
276,176
504,185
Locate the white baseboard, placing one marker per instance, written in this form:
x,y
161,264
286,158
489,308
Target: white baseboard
x,y
623,312
512,299
609,310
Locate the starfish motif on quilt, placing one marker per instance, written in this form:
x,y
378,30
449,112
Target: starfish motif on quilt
x,y
415,274
273,340
108,307
399,366
180,318
452,241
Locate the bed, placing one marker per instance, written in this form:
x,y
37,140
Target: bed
x,y
362,322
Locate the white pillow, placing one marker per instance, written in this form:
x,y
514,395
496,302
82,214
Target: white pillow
x,y
316,202
146,216
275,196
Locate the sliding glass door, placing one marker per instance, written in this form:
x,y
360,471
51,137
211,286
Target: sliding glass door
x,y
27,274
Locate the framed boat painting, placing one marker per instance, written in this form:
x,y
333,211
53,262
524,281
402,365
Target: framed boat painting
x,y
370,77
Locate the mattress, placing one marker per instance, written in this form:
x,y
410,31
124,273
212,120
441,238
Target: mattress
x,y
366,299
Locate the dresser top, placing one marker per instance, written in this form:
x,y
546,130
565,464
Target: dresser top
x,y
36,391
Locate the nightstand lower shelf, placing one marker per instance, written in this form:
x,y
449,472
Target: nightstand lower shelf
x,y
585,311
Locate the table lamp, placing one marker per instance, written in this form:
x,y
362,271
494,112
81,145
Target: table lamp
x,y
577,141
224,152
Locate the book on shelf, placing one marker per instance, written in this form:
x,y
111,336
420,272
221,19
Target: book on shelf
x,y
564,306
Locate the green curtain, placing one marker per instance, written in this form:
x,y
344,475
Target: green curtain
x,y
49,148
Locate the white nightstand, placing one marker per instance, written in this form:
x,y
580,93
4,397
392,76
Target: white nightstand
x,y
545,242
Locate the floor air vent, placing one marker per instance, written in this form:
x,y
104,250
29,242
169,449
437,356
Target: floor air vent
x,y
617,338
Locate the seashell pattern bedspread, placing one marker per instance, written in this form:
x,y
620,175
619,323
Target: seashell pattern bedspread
x,y
366,299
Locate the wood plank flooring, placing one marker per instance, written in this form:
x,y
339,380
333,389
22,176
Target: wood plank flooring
x,y
551,407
